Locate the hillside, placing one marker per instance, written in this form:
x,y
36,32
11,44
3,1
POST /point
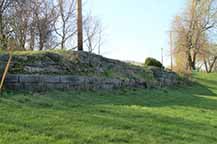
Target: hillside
x,y
185,115
72,63
86,69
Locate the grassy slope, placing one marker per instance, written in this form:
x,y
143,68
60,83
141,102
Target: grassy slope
x,y
185,115
74,63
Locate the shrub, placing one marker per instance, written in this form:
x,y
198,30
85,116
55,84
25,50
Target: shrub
x,y
153,62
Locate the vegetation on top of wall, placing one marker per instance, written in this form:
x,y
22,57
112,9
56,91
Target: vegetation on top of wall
x,y
153,62
39,52
60,62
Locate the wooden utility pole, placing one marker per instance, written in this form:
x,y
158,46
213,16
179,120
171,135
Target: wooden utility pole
x,y
162,55
171,49
79,25
6,70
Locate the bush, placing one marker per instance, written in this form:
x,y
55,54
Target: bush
x,y
153,62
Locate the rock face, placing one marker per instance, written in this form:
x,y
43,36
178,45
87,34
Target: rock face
x,y
79,70
164,78
47,82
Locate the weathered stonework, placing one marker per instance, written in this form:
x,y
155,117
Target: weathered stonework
x,y
79,70
164,78
49,82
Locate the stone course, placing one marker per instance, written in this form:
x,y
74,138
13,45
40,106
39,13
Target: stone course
x,y
49,82
164,78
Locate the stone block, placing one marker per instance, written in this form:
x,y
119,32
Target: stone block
x,y
50,79
71,79
30,78
12,79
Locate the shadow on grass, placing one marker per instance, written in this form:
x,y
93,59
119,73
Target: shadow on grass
x,y
113,124
164,126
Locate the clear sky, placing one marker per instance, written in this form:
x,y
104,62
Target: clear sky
x,y
135,29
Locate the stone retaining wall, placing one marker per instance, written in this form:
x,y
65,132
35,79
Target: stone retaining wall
x,y
49,82
164,78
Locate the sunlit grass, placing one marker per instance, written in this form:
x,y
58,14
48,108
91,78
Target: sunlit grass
x,y
35,52
38,52
184,115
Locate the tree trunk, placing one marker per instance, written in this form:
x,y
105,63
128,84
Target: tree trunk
x,y
63,40
1,25
41,43
212,64
206,66
3,39
32,41
194,61
189,61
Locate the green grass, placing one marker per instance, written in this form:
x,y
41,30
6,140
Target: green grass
x,y
29,52
184,115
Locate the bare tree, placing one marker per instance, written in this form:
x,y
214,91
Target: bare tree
x,y
31,39
193,26
4,6
209,57
93,34
44,24
66,21
22,16
45,17
210,63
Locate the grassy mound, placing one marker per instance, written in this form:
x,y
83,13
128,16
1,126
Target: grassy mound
x,y
186,115
73,63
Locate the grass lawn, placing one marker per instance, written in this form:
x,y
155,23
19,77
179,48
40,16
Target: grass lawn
x,y
184,115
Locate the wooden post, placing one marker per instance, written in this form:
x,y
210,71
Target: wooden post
x,y
5,71
79,26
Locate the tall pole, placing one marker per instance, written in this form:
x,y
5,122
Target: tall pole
x,y
10,50
79,25
171,49
162,55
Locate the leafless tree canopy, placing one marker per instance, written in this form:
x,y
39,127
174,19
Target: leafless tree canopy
x,y
195,34
93,34
45,24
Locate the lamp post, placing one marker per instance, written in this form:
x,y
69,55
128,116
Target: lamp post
x,y
162,55
171,49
